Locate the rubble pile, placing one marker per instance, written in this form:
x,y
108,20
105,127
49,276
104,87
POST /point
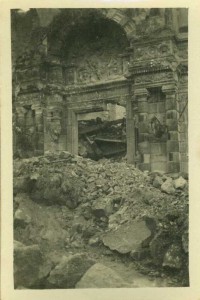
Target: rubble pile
x,y
69,205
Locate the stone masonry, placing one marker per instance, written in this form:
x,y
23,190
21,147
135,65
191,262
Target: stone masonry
x,y
68,62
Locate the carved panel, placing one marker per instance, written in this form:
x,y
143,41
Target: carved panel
x,y
152,51
98,59
99,68
29,99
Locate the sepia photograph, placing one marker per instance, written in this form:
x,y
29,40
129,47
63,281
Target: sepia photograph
x,y
100,147
100,152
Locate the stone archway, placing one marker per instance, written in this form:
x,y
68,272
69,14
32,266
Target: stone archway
x,y
92,64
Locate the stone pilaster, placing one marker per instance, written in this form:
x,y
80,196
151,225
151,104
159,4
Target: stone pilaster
x,y
130,130
55,74
53,125
141,96
72,132
172,115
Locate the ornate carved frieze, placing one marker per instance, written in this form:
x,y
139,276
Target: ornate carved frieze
x,y
145,52
29,99
28,74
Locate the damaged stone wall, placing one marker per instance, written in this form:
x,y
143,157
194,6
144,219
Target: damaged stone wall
x,y
72,65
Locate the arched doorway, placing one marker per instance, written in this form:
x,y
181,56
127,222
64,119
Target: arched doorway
x,y
94,59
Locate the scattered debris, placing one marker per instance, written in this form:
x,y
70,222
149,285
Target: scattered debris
x,y
77,207
100,276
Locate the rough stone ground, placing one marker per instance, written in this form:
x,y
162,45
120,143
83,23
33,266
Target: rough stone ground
x,y
78,221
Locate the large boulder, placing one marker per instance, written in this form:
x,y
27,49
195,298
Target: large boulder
x,y
127,237
100,276
27,265
69,271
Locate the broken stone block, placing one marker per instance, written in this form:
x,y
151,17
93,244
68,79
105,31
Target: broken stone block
x,y
69,271
140,253
184,175
100,276
168,186
180,183
27,264
93,241
127,237
20,185
103,207
157,182
21,219
158,246
173,257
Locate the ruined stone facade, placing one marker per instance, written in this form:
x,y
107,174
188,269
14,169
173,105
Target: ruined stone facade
x,y
67,62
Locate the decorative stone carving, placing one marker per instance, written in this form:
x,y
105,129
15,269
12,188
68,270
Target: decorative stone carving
x,y
96,69
152,51
54,130
150,25
28,74
157,128
153,77
98,59
183,53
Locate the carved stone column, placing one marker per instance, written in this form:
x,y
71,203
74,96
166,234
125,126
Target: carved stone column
x,y
172,115
143,127
53,127
72,132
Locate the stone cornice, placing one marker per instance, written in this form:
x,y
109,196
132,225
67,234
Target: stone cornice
x,y
79,89
133,71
